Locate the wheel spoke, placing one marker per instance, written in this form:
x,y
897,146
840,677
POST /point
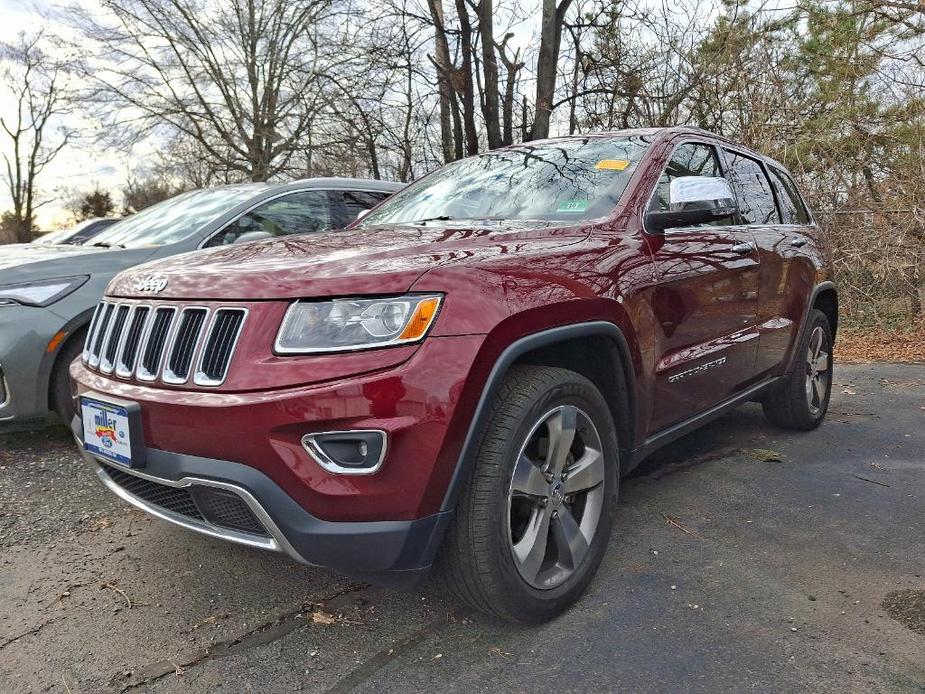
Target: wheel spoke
x,y
821,363
528,479
587,472
561,426
817,392
570,541
530,550
815,343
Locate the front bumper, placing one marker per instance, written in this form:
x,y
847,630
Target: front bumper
x,y
394,553
416,403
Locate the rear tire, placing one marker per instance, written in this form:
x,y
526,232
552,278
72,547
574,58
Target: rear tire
x,y
508,552
63,395
803,398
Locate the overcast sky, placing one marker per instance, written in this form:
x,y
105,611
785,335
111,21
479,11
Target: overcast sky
x,y
77,167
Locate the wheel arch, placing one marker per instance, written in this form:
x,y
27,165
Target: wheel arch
x,y
824,297
602,342
74,330
826,300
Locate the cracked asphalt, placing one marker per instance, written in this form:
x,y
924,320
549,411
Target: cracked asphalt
x,y
744,559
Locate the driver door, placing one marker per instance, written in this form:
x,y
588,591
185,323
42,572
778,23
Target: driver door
x,y
299,212
705,302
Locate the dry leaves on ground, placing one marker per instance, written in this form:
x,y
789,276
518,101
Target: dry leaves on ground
x,y
856,345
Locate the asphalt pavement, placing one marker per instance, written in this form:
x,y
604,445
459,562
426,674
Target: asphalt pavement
x,y
744,559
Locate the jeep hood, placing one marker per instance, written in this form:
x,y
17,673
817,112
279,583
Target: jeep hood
x,y
35,262
377,260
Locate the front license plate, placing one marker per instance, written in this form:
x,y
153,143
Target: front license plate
x,y
112,431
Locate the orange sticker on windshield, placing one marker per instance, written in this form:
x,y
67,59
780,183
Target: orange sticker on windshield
x,y
612,164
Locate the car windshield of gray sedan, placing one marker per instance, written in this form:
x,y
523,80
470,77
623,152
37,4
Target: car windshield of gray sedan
x,y
175,219
566,180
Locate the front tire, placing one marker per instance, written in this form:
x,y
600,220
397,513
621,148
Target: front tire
x,y
803,399
534,519
63,395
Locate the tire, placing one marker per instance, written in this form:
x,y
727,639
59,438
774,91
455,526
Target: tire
x,y
803,398
62,395
485,558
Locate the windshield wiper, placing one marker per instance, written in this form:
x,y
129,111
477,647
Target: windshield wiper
x,y
106,244
441,218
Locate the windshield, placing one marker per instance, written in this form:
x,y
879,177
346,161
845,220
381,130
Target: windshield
x,y
175,219
565,180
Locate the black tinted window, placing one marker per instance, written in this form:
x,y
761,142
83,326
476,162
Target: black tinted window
x,y
792,210
756,201
296,213
686,160
355,201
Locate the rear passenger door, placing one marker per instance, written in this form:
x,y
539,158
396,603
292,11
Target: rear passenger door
x,y
348,204
705,302
774,222
795,241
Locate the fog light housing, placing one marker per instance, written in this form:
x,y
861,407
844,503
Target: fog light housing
x,y
358,452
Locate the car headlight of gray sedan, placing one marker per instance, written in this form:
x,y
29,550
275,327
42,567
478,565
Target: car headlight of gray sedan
x,y
40,293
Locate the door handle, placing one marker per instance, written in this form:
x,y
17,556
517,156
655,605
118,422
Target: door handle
x,y
743,248
797,242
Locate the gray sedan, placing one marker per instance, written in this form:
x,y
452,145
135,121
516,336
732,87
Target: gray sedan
x,y
48,293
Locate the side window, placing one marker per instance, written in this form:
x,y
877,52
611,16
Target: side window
x,y
355,201
687,160
690,159
792,210
297,213
756,201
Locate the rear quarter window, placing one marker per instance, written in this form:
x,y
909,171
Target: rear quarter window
x,y
792,209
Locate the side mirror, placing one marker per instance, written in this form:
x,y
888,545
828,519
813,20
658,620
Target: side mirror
x,y
693,200
253,236
362,214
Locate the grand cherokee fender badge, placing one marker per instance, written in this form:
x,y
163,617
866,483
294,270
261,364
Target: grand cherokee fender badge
x,y
152,284
697,369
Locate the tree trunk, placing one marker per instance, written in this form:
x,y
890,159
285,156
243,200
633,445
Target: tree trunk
x,y
546,68
490,109
464,82
444,71
512,66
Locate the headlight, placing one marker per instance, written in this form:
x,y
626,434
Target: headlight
x,y
41,293
343,325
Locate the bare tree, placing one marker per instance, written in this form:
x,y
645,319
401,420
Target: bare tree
x,y
547,64
237,77
37,84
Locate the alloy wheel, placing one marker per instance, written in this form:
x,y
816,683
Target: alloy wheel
x,y
556,497
818,370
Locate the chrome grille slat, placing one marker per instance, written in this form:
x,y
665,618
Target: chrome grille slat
x,y
128,353
220,343
183,346
163,341
102,331
152,352
113,339
91,331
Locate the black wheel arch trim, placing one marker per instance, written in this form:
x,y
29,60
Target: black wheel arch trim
x,y
503,363
825,286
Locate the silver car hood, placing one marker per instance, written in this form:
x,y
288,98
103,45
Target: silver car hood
x,y
33,262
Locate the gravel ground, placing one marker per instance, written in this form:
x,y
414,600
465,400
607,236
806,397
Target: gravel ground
x,y
745,559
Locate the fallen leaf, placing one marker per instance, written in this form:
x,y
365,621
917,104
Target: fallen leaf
x,y
764,455
323,618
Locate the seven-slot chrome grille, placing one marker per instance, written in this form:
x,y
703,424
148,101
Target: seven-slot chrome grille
x,y
173,344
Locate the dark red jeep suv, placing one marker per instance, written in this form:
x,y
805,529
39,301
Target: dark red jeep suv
x,y
460,378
